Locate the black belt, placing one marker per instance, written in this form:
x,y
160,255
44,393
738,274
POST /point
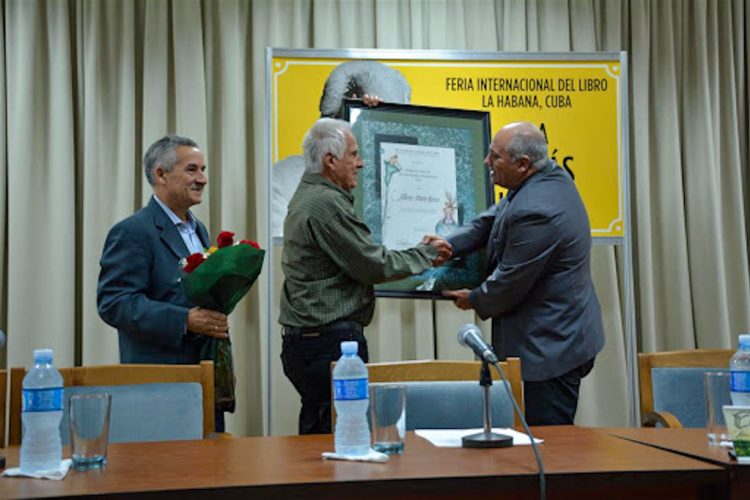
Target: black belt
x,y
335,327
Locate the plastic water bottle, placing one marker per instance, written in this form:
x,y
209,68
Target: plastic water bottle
x,y
41,448
739,368
351,398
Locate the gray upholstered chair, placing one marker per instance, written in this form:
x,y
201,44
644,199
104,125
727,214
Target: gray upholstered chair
x,y
672,388
146,412
447,395
149,402
454,405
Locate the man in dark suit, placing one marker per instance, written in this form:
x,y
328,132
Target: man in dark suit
x,y
139,291
539,290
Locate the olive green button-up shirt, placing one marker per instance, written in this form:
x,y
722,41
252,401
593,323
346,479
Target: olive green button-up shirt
x,y
330,262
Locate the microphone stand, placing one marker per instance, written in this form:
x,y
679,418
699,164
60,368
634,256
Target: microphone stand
x,y
542,480
486,438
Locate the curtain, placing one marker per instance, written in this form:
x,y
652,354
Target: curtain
x,y
3,192
86,86
90,86
688,150
41,195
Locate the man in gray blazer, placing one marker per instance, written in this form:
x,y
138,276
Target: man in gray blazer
x,y
139,291
538,291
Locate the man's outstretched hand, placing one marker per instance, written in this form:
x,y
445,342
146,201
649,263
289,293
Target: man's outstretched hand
x,y
445,250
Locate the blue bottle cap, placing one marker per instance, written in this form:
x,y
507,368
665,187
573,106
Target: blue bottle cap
x,y
42,356
349,347
745,340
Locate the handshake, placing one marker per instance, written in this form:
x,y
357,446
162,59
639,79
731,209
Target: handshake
x,y
445,250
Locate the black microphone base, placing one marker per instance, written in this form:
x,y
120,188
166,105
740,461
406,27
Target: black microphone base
x,y
487,440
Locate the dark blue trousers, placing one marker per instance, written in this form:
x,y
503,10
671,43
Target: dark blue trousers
x,y
554,401
307,354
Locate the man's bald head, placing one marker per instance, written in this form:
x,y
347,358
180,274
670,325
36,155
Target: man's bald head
x,y
517,152
525,139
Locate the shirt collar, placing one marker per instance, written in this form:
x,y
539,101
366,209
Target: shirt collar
x,y
318,179
174,217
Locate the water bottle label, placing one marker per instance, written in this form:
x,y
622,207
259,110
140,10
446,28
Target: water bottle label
x,y
49,399
350,389
740,381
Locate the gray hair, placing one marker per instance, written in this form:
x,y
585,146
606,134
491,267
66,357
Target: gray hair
x,y
163,153
327,135
527,140
360,78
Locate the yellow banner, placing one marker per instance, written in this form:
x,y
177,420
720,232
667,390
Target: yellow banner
x,y
577,103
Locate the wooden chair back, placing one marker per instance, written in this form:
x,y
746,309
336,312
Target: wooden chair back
x,y
438,370
694,358
123,374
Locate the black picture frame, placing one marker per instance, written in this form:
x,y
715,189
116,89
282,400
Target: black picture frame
x,y
467,132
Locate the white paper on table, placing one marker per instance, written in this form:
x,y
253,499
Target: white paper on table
x,y
451,438
418,191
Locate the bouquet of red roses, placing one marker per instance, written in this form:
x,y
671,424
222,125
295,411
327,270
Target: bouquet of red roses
x,y
217,280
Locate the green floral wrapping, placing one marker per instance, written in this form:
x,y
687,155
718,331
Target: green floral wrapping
x,y
219,283
220,352
224,278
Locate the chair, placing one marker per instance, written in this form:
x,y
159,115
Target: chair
x,y
3,400
671,385
446,394
149,402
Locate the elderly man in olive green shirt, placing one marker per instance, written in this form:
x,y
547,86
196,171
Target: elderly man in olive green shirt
x,y
330,265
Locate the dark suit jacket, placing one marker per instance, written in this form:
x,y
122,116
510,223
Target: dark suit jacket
x,y
139,291
539,290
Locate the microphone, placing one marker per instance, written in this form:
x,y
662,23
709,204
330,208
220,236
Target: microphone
x,y
470,336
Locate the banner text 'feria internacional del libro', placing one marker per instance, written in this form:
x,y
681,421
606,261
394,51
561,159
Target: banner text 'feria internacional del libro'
x,y
577,103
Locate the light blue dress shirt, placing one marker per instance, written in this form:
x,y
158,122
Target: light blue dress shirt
x,y
187,229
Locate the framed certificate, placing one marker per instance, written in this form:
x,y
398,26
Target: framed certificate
x,y
423,174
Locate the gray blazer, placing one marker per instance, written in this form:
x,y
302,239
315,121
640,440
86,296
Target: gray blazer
x,y
139,291
538,290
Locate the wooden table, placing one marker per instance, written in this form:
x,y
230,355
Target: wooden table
x,y
693,443
579,462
